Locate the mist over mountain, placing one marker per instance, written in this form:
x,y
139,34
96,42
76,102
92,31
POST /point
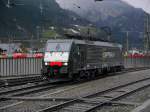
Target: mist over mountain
x,y
106,12
23,20
117,14
144,4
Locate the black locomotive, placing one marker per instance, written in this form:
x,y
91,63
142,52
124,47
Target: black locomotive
x,y
76,59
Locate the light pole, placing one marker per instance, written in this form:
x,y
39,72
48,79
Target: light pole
x,y
38,32
107,29
147,32
127,38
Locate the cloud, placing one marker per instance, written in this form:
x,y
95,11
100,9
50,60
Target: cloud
x,y
144,4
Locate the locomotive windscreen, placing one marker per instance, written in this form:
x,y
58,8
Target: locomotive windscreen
x,y
59,47
57,52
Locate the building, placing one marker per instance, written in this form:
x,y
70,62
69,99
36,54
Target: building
x,y
9,48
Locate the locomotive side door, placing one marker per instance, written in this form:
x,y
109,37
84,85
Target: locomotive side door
x,y
77,58
82,55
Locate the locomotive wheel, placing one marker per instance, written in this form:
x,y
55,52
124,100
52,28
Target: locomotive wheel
x,y
79,76
82,74
93,74
114,69
88,74
70,76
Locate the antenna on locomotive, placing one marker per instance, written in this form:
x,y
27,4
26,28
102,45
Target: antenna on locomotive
x,y
74,36
80,37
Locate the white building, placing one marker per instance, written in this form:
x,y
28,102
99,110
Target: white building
x,y
10,48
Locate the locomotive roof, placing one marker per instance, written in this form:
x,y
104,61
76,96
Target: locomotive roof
x,y
98,43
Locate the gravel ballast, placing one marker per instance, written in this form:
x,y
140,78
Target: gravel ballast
x,y
83,89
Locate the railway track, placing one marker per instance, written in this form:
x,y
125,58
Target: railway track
x,y
15,81
32,88
86,103
96,100
11,82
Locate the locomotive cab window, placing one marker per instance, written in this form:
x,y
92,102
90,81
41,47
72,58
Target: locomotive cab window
x,y
58,47
57,52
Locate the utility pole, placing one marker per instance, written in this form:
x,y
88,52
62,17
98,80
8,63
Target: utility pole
x,y
127,41
126,46
147,32
38,32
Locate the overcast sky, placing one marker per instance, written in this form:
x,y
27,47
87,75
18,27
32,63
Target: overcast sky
x,y
145,4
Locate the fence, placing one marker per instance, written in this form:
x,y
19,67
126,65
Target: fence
x,y
32,65
20,67
134,62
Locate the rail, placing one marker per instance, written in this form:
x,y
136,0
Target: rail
x,y
122,90
94,101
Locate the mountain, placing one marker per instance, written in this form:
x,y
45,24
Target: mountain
x,y
116,14
37,15
24,20
104,13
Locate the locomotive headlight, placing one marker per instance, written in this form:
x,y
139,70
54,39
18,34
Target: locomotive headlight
x,y
46,63
66,64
